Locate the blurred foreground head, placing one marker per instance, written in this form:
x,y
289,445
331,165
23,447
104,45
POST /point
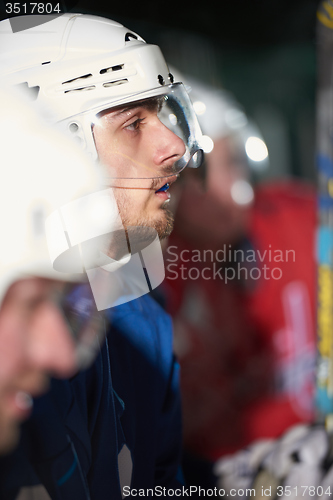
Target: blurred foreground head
x,y
214,205
50,203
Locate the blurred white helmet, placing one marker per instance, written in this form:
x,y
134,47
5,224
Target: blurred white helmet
x,y
52,199
79,65
220,115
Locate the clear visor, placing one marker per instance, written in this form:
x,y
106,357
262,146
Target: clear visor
x,y
153,134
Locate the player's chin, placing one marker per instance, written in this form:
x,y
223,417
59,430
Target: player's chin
x,y
164,225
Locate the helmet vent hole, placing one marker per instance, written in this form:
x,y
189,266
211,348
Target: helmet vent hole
x,y
171,77
118,67
80,89
117,82
83,77
130,36
161,80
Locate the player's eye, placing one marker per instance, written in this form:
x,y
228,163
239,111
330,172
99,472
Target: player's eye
x,y
134,125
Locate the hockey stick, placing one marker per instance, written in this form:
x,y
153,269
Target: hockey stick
x,y
324,145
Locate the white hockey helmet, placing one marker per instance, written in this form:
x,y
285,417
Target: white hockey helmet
x,y
80,65
220,115
52,201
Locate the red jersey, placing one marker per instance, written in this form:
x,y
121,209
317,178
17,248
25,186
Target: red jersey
x,y
244,325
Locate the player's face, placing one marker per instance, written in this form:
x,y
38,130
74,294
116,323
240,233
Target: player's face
x,y
34,341
140,152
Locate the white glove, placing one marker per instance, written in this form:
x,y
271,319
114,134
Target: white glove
x,y
239,470
288,468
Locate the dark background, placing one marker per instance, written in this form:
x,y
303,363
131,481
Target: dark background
x,y
239,22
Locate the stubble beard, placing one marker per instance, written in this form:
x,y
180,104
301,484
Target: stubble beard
x,y
164,227
163,224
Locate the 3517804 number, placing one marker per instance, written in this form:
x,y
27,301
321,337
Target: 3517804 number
x,y
32,8
301,491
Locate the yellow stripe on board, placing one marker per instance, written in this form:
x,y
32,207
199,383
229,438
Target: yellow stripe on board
x,y
325,312
326,18
330,187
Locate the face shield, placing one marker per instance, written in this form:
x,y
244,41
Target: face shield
x,y
150,135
